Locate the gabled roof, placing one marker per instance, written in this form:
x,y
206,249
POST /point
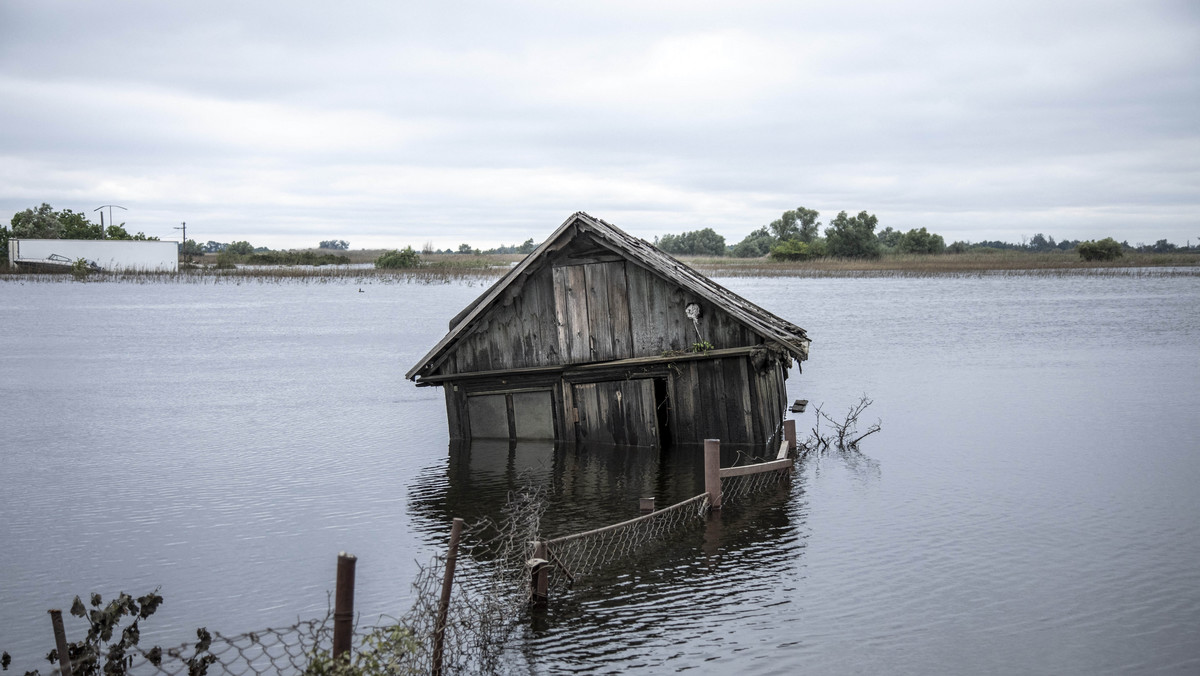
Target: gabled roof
x,y
767,325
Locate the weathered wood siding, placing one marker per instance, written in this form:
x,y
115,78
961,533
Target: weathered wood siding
x,y
579,313
519,332
592,310
658,312
726,399
617,412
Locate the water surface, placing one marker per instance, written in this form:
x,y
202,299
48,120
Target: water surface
x,y
1030,506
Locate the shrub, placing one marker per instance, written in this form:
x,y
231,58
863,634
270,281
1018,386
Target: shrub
x,y
296,258
398,259
795,250
226,260
1106,249
791,250
81,268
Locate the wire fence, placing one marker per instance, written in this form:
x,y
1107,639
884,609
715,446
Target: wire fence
x,y
494,578
561,563
488,596
574,557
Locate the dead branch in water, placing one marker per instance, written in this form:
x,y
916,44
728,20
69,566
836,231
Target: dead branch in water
x,y
845,437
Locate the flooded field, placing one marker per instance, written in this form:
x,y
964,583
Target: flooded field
x,y
1029,507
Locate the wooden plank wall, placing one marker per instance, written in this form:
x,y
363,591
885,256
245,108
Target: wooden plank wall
x,y
591,304
617,412
658,311
726,399
590,312
518,331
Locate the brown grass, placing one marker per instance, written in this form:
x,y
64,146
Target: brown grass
x,y
913,265
447,268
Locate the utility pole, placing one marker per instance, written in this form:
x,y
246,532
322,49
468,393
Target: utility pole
x,y
183,245
110,218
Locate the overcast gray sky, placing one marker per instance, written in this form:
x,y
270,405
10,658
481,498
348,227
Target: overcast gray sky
x,y
401,123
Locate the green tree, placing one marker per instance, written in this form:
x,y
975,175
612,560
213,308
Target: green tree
x,y
335,244
119,232
242,248
41,223
1106,249
77,226
807,221
190,248
889,238
527,247
756,245
466,249
799,223
704,242
920,241
853,236
1163,246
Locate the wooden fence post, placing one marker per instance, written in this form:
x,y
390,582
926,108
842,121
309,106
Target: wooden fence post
x,y
646,505
343,606
439,631
541,574
60,642
712,472
789,433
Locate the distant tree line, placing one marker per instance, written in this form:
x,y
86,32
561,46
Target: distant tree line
x,y
798,235
526,247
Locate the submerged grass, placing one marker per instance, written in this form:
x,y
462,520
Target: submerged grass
x,y
448,268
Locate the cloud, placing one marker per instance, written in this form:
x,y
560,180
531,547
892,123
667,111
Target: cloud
x,y
413,121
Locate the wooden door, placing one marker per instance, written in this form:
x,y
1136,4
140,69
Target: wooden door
x,y
617,412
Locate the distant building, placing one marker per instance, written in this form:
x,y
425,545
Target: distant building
x,y
599,337
107,254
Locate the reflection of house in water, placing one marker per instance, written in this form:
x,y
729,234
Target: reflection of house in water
x,y
599,337
584,486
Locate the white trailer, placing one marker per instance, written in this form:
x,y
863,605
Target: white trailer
x,y
107,254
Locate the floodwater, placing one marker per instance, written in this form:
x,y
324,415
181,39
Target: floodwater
x,y
1032,504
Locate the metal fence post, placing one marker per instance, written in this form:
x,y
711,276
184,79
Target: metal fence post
x,y
712,472
343,608
439,632
60,642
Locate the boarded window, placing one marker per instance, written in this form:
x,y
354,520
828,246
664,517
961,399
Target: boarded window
x,y
534,415
489,416
497,416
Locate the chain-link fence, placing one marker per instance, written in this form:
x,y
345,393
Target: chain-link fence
x,y
562,562
488,596
497,568
573,557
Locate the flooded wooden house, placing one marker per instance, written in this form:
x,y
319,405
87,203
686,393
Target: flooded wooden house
x,y
599,337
